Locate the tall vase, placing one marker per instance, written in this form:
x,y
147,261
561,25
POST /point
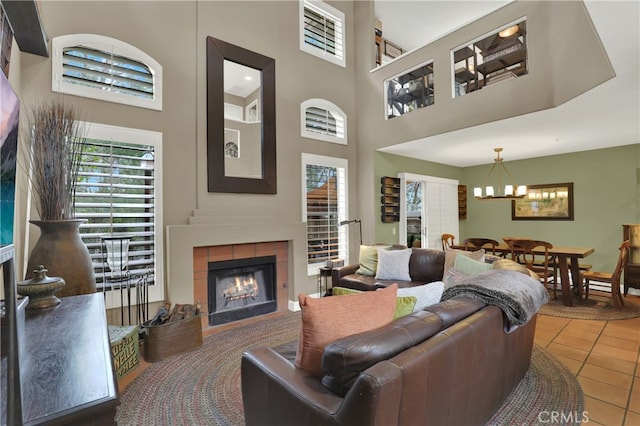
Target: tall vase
x,y
61,250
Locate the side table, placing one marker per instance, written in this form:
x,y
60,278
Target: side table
x,y
324,278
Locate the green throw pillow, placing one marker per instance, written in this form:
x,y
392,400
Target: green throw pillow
x,y
404,304
368,260
468,266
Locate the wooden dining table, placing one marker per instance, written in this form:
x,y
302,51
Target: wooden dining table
x,y
567,258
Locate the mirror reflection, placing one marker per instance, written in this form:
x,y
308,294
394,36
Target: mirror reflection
x,y
242,121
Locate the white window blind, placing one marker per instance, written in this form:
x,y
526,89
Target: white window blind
x,y
322,31
115,194
323,120
325,206
106,71
441,212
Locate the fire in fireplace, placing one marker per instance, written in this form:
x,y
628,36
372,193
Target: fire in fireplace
x,y
241,288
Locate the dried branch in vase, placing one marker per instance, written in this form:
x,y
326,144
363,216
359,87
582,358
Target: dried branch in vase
x,y
57,143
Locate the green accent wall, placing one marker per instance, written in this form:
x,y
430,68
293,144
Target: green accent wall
x,y
606,195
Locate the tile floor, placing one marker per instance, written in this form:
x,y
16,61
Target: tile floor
x,y
604,356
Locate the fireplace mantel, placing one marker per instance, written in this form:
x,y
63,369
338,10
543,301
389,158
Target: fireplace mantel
x,y
212,230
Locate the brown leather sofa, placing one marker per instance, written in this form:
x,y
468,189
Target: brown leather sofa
x,y
425,266
451,364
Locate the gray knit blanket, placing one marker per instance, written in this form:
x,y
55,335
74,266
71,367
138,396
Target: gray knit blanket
x,y
518,295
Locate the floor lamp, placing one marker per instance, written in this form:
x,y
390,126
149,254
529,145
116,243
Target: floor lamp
x,y
359,222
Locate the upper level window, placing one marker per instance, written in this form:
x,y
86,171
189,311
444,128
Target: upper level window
x,y
322,31
323,120
410,91
104,68
501,55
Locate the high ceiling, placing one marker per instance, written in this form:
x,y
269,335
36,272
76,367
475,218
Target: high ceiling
x,y
606,116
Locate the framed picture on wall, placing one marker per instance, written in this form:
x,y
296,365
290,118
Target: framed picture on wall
x,y
552,201
232,143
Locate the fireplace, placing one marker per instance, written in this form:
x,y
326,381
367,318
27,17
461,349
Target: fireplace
x,y
241,288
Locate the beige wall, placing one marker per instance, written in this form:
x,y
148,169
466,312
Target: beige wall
x,y
174,34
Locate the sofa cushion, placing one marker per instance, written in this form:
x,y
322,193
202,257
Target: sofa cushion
x,y
329,318
513,266
468,266
368,260
454,310
426,265
426,295
450,258
345,358
404,304
393,265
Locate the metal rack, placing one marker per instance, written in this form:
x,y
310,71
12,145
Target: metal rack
x,y
118,277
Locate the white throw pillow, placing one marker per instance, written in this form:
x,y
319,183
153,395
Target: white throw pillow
x,y
393,265
427,294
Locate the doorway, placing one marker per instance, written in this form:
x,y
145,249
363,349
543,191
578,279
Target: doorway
x,y
428,208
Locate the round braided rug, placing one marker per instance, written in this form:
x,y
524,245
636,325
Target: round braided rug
x,y
202,387
595,308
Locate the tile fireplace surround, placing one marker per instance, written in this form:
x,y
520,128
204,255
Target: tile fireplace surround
x,y
203,255
207,232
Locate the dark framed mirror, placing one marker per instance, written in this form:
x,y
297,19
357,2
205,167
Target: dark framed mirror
x,y
241,120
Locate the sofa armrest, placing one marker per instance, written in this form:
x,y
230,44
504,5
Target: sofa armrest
x,y
337,273
275,392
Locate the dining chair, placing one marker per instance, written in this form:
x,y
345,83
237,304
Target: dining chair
x,y
447,241
534,254
473,244
612,279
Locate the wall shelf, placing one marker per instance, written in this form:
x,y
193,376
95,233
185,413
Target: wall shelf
x,y
462,201
390,199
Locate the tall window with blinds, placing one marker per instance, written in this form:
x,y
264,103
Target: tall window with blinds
x,y
325,195
116,195
322,31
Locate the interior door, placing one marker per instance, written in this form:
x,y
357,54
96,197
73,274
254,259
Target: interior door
x,y
428,208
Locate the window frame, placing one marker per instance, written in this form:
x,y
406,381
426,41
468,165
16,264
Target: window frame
x,y
106,44
343,207
110,133
407,74
478,60
326,106
338,17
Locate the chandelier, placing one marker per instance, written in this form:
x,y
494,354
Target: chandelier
x,y
503,193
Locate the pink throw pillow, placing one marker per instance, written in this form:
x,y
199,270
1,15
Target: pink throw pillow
x,y
330,318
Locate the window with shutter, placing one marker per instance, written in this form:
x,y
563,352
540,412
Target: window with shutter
x,y
118,193
322,31
325,195
321,119
104,68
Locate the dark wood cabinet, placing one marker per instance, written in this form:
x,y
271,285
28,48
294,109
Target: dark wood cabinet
x,y
66,366
390,199
632,267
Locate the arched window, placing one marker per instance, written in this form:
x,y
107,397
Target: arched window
x,y
100,67
323,120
